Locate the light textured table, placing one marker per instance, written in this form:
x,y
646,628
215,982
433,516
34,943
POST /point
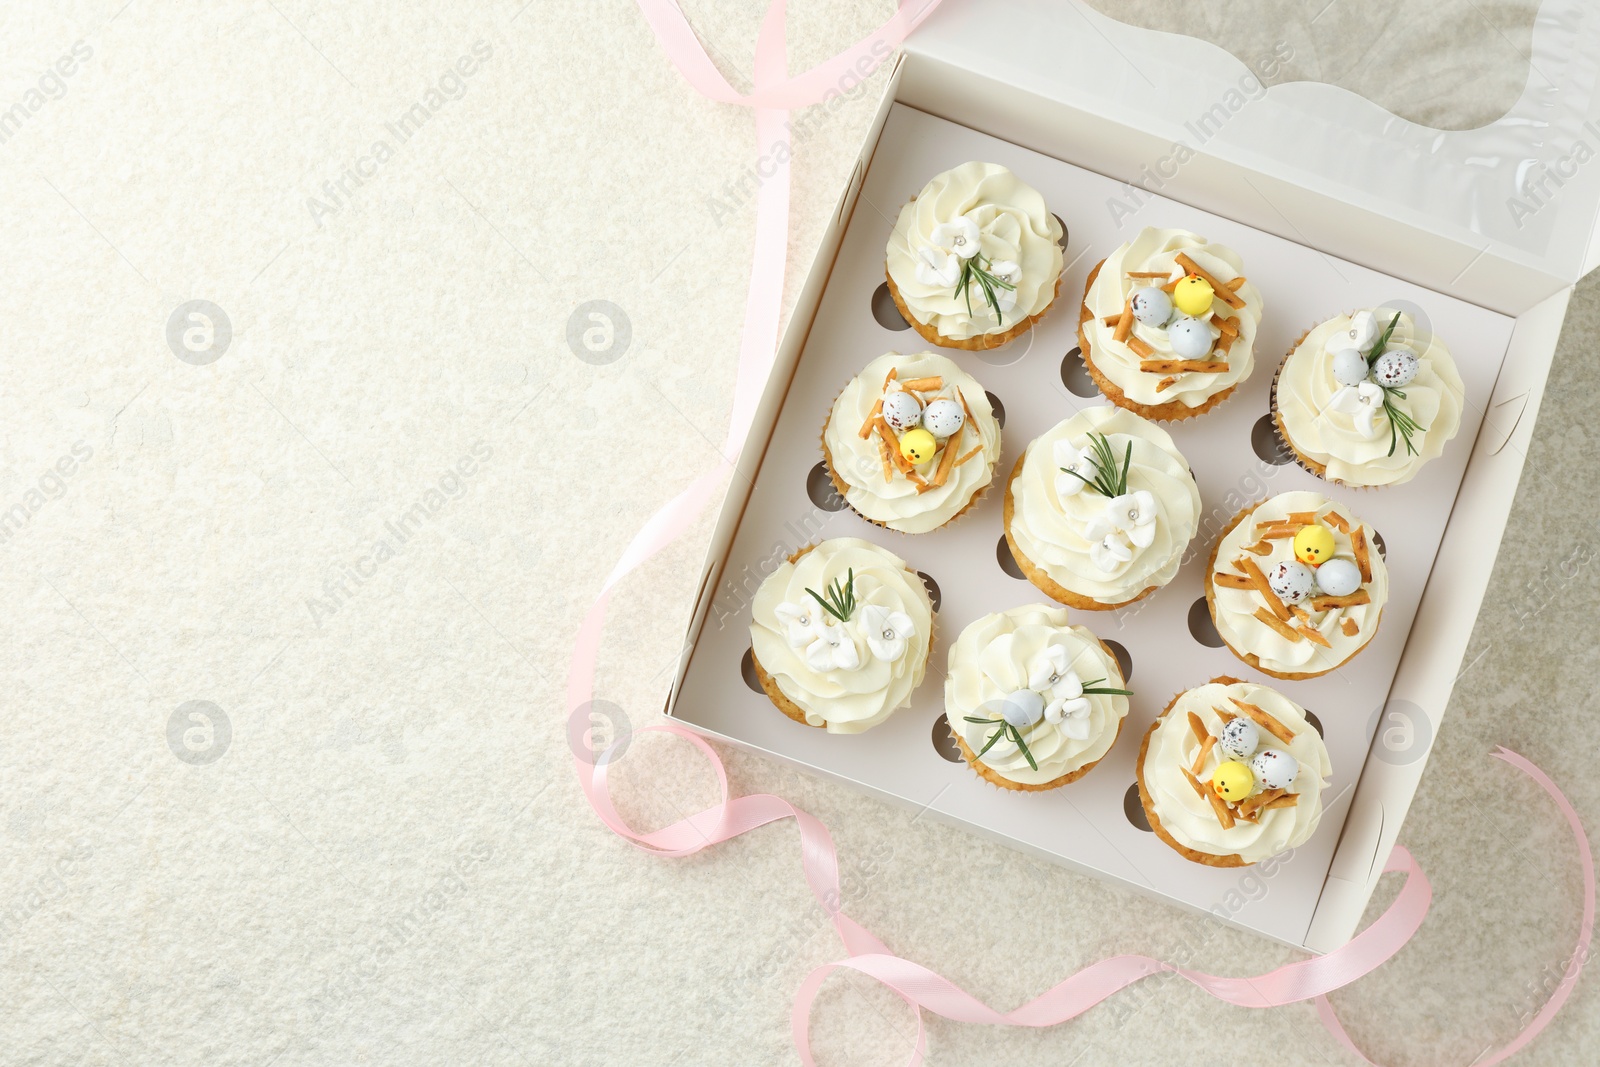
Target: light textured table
x,y
378,854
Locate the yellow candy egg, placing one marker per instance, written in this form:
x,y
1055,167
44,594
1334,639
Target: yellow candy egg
x,y
1313,545
918,445
1193,295
1233,780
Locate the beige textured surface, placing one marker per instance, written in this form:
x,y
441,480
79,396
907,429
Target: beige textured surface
x,y
388,861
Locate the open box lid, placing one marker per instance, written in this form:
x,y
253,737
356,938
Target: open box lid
x,y
1503,215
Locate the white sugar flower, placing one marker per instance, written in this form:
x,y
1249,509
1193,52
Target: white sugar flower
x,y
833,650
1109,553
800,623
1071,714
1047,668
1128,522
938,267
1360,335
1365,402
886,631
959,235
1010,273
1070,458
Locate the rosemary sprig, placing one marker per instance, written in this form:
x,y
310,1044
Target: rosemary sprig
x,y
974,270
1383,339
1096,687
1401,425
1007,731
1108,481
841,600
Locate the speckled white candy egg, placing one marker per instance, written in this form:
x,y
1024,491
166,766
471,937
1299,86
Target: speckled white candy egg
x,y
1190,338
1151,306
1023,708
1349,367
902,411
1274,768
1395,368
942,418
1291,580
1338,577
1239,738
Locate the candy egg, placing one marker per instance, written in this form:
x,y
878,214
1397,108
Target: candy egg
x,y
943,418
1239,738
1349,367
1190,338
1338,577
1313,545
1274,768
1291,580
1151,306
1232,780
918,445
1023,708
1193,295
901,411
1395,368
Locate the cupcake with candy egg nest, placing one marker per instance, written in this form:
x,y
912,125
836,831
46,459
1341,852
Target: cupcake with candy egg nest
x,y
1296,585
1232,773
840,633
1100,509
975,258
1366,399
1033,702
911,442
1168,324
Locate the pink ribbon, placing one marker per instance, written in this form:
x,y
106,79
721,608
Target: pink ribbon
x,y
920,988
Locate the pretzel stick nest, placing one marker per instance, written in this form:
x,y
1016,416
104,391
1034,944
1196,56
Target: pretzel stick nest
x,y
1351,600
1200,757
1264,587
1266,721
1278,624
1358,541
1182,366
1223,292
1348,627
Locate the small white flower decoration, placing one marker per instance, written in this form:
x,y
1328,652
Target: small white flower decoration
x,y
938,267
886,631
1360,335
800,623
1065,704
1071,458
1010,273
1365,402
833,650
1128,522
959,235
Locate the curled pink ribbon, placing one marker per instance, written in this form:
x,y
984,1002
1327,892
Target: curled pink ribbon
x,y
920,988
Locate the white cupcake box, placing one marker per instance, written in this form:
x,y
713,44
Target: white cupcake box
x,y
1122,128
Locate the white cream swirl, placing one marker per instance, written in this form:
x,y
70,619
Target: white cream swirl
x,y
1235,609
1156,250
857,461
1014,228
1331,434
1189,818
1052,519
1012,650
844,699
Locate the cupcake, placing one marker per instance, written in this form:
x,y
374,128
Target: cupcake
x,y
1168,326
911,442
1232,773
1100,509
839,635
1033,701
975,258
1296,585
1365,399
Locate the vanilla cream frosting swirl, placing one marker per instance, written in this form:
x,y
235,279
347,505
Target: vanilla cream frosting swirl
x,y
1002,653
845,699
1189,818
1235,609
1332,436
1156,250
1013,226
1052,524
857,461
